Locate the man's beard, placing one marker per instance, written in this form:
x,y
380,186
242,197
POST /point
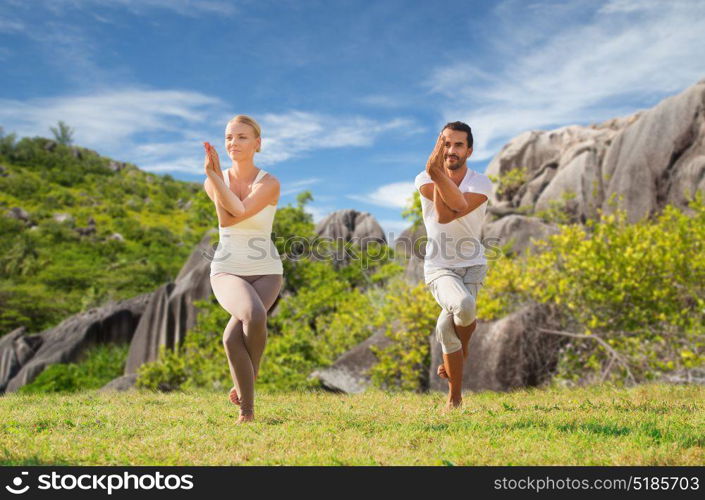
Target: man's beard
x,y
455,166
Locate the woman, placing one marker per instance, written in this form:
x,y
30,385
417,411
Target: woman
x,y
246,271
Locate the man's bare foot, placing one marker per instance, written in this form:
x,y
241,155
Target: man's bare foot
x,y
234,398
245,418
442,371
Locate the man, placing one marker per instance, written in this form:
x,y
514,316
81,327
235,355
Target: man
x,y
453,203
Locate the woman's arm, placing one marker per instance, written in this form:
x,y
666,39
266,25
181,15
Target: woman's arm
x,y
223,196
263,194
221,193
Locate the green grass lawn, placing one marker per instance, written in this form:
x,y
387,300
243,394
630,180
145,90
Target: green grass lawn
x,y
645,425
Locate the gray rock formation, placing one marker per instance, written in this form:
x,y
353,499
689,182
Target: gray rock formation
x,y
411,241
116,166
63,217
650,159
18,213
517,230
124,383
507,353
349,373
89,229
685,376
351,226
16,348
170,312
660,158
23,357
411,245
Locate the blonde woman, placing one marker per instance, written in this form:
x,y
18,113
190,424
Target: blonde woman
x,y
246,270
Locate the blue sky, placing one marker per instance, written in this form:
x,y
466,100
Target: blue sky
x,y
350,94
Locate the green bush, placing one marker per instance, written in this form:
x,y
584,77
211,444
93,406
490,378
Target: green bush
x,y
32,305
408,316
508,184
640,287
100,365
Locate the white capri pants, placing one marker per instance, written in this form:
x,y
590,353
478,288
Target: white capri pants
x,y
455,289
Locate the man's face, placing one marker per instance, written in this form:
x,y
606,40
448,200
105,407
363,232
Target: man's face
x,y
456,149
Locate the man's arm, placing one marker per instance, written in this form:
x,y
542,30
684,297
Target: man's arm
x,y
450,193
443,212
446,188
472,201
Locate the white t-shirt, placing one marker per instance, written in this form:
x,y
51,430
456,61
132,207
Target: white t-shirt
x,y
457,243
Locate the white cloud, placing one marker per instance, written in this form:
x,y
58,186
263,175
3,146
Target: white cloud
x,y
189,8
11,26
117,122
319,213
297,186
295,133
158,130
383,101
579,72
395,195
162,130
415,161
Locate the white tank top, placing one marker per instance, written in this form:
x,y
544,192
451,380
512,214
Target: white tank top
x,y
246,247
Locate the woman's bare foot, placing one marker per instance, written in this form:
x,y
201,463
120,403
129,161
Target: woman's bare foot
x,y
452,404
442,371
234,398
245,417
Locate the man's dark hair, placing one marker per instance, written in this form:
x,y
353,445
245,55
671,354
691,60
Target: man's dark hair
x,y
462,127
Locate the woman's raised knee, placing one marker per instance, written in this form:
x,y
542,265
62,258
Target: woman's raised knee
x,y
254,316
231,333
229,339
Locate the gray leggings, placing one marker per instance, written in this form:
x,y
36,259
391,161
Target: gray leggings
x,y
247,299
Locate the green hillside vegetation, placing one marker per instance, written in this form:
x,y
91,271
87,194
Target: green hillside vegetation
x,y
49,271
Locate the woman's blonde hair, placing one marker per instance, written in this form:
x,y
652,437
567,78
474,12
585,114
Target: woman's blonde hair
x,y
248,120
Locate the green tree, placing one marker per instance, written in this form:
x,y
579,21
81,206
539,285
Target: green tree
x,y
413,212
63,133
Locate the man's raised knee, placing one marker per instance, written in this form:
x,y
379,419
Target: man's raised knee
x,y
465,314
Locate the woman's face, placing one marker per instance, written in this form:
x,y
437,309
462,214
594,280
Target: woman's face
x,y
240,141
